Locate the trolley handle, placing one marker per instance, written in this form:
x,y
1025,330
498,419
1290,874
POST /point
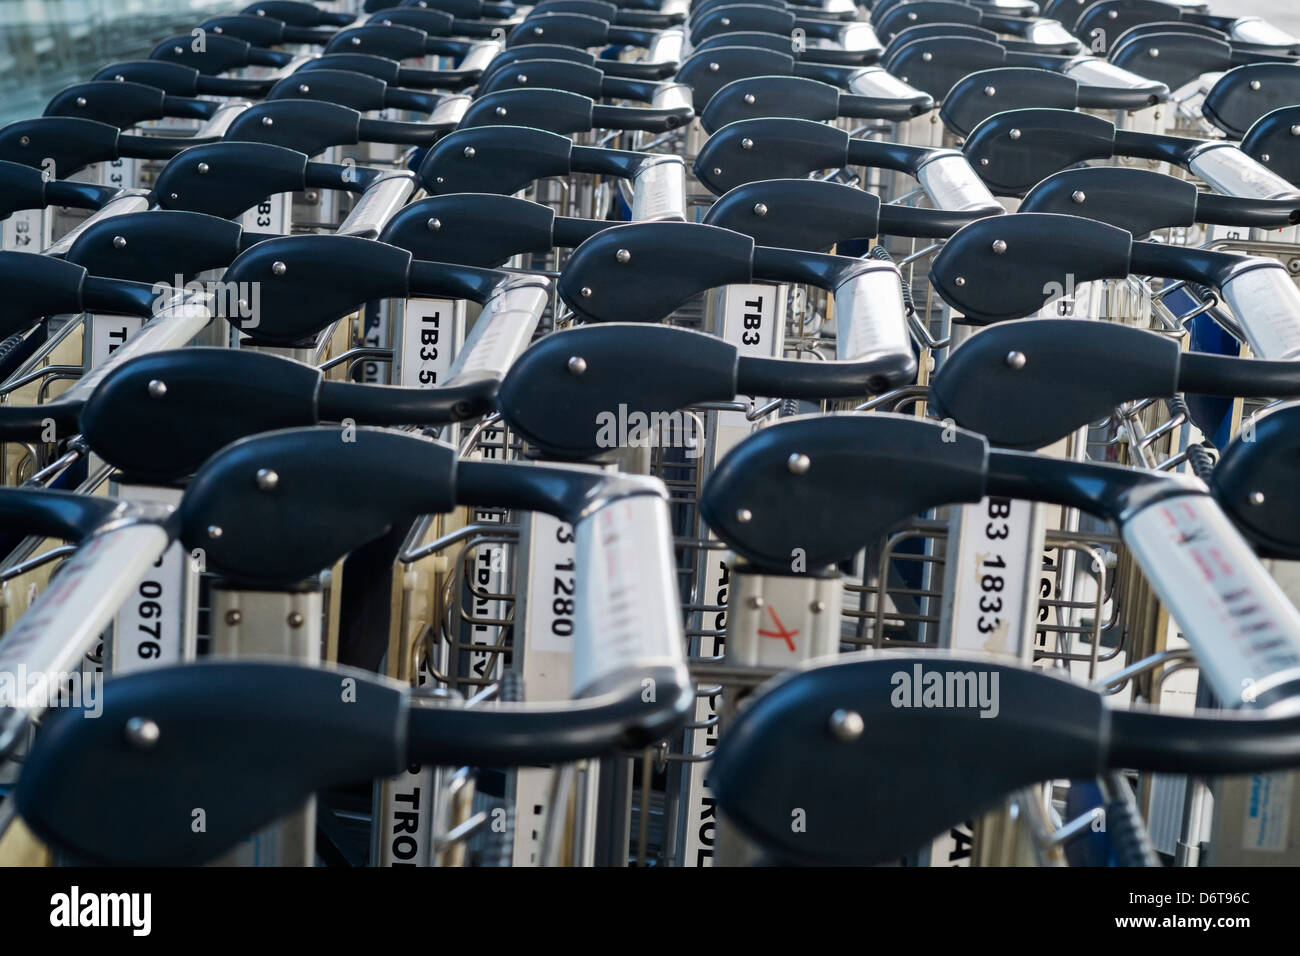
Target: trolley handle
x,y
173,391
27,187
125,104
376,207
49,641
802,98
1239,624
657,370
505,159
299,13
358,91
177,79
307,282
1028,383
951,762
1008,267
563,112
641,272
218,53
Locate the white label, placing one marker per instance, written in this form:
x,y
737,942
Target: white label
x,y
993,577
108,333
1267,812
273,215
120,173
27,230
551,593
429,337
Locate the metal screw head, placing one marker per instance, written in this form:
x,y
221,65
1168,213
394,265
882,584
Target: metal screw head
x,y
959,281
623,256
999,246
469,152
157,388
142,733
296,619
278,268
911,16
1257,497
1264,157
434,224
1014,134
175,195
1078,196
754,601
749,99
746,143
304,89
990,90
267,121
204,169
1154,52
984,161
501,111
585,292
119,78
713,68
760,209
1254,84
538,31
726,21
1016,360
356,41
717,170
178,50
119,242
438,180
576,365
927,56
817,606
24,141
1113,14
846,725
81,101
744,515
233,618
214,531
798,463
267,479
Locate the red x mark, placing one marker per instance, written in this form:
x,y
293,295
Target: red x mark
x,y
780,633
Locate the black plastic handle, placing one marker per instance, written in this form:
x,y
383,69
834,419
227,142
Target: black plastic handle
x,y
990,272
53,514
883,794
752,150
125,104
798,213
185,427
1269,141
642,272
156,246
225,179
1142,201
299,13
476,229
